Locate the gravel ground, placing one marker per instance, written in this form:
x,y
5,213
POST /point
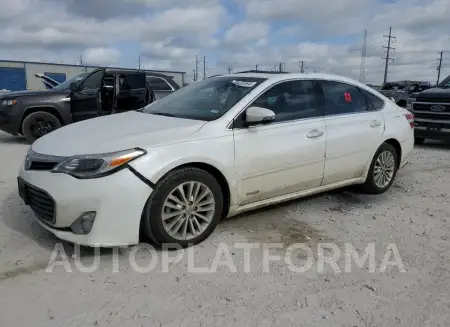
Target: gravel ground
x,y
414,215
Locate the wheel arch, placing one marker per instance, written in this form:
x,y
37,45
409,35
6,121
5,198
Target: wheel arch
x,y
49,109
398,148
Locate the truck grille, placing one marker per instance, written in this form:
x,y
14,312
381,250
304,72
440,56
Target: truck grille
x,y
423,110
41,203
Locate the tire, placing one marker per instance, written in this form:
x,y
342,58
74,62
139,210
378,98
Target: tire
x,y
372,185
38,124
419,140
156,230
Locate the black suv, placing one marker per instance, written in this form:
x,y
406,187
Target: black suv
x,y
87,95
431,109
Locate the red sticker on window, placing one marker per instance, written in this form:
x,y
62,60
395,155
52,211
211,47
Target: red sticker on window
x,y
348,97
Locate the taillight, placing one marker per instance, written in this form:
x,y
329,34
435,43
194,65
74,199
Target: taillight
x,y
410,118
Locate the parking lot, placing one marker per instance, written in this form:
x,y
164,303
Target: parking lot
x,y
414,215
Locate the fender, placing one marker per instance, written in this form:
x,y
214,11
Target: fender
x,y
66,117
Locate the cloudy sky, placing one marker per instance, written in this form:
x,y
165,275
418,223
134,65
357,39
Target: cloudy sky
x,y
326,35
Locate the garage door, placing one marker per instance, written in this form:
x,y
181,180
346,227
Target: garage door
x,y
12,79
59,77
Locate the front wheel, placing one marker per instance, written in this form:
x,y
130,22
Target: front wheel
x,y
382,170
184,208
38,124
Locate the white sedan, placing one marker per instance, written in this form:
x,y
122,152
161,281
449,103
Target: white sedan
x,y
169,172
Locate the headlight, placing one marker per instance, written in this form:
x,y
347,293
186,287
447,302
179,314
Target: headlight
x,y
8,102
97,165
409,103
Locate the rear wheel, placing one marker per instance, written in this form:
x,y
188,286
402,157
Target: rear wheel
x,y
419,140
38,124
184,208
382,170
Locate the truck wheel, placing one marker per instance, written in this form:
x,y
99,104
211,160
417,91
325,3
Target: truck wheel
x,y
419,140
38,124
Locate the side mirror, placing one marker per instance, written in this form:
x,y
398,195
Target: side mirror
x,y
259,115
74,86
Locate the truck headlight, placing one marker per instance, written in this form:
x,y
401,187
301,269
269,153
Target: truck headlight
x,y
409,103
97,165
10,102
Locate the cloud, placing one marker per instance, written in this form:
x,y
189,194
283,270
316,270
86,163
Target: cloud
x,y
101,56
167,34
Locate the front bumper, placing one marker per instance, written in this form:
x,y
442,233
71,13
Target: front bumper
x,y
426,133
9,120
118,200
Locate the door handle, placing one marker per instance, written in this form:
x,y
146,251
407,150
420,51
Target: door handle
x,y
314,133
375,123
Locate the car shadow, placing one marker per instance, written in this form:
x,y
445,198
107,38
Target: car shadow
x,y
11,139
432,144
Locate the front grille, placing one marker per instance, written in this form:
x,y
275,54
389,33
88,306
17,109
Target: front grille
x,y
443,100
40,202
422,110
42,165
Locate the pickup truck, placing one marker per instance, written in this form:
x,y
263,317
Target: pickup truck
x,y
87,95
431,109
400,91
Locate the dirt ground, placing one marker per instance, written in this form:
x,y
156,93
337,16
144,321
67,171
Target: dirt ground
x,y
414,215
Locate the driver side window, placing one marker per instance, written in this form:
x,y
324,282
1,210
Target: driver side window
x,y
93,81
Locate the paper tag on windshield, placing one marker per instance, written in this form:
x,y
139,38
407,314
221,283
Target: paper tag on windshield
x,y
243,83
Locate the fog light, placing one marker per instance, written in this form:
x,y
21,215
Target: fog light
x,y
84,223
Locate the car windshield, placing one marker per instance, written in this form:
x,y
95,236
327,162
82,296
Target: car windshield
x,y
445,83
66,84
205,100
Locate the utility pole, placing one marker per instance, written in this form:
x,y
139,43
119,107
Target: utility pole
x,y
204,67
196,68
139,63
362,69
230,69
302,69
193,72
388,50
439,68
280,69
81,59
256,68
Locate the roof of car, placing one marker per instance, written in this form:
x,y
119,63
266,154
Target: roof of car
x,y
285,76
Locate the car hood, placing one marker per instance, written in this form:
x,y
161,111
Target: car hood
x,y
434,93
115,133
31,93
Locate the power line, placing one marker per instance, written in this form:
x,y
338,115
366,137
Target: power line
x,y
439,68
362,69
388,50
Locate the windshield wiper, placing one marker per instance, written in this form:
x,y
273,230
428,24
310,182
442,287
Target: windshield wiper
x,y
161,114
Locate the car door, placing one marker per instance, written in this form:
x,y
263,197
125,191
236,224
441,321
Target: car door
x,y
133,93
286,155
84,101
354,130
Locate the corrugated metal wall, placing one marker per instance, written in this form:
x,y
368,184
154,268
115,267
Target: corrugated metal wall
x,y
34,83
